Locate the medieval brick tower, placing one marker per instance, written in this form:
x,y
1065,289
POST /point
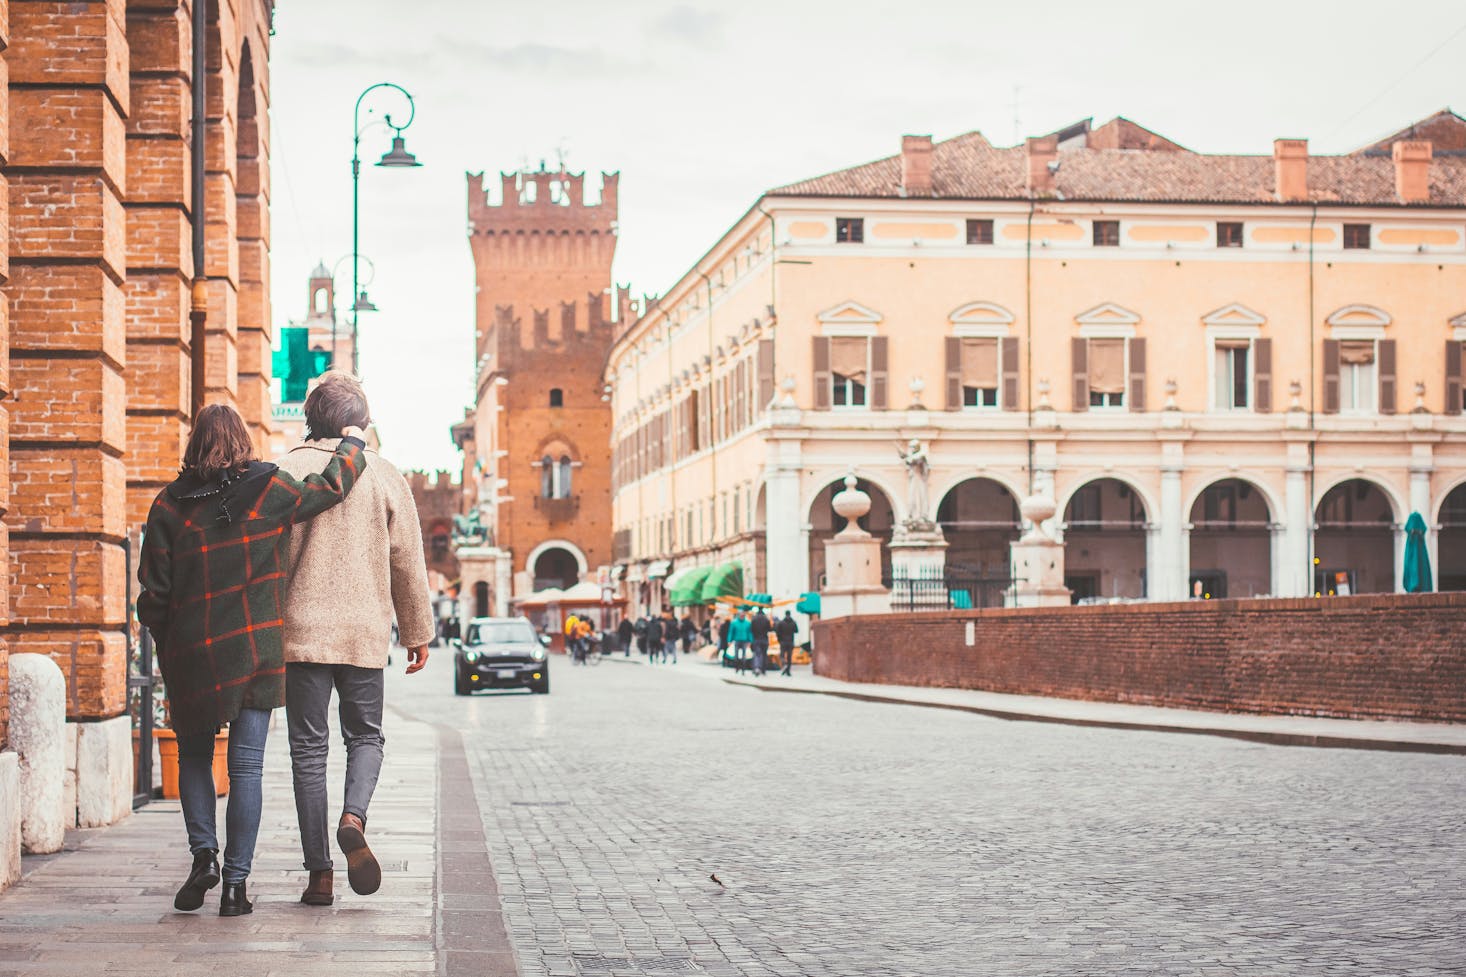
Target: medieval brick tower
x,y
540,428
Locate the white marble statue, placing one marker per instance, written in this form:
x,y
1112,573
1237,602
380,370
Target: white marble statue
x,y
918,471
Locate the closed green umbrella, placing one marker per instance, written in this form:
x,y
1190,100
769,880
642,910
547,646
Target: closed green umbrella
x,y
1417,556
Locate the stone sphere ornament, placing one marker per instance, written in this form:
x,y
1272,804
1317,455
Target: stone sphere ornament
x,y
1038,509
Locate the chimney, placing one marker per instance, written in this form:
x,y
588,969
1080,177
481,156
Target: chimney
x,y
916,166
1043,156
1412,170
1290,166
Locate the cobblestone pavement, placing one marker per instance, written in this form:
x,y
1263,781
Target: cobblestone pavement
x,y
853,838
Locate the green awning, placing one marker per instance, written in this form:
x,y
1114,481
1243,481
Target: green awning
x,y
764,599
687,588
809,603
725,581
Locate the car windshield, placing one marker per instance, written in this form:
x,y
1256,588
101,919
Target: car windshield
x,y
501,633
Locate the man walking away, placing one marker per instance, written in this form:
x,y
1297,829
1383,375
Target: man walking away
x,y
624,633
740,632
654,638
370,548
723,630
640,628
669,636
761,628
786,629
689,633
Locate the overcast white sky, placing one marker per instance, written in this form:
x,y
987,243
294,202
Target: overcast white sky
x,y
701,106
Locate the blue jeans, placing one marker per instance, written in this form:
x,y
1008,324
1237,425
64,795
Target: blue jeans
x,y
196,790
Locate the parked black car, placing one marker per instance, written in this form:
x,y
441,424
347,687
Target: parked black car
x,y
500,653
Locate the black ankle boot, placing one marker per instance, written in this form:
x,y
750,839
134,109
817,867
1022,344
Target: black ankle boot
x,y
233,901
203,877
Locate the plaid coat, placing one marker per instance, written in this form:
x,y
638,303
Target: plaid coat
x,y
213,583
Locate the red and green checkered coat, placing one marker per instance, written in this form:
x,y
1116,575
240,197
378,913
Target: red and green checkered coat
x,y
213,583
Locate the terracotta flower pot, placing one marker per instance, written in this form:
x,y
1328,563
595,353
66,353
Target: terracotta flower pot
x,y
168,756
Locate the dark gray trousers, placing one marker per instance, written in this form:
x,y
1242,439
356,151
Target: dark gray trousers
x,y
307,699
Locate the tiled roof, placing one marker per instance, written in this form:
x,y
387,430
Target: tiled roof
x,y
969,167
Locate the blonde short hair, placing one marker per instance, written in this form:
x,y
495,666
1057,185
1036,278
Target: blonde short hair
x,y
337,401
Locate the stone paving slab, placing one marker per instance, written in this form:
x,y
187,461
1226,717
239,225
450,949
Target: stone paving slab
x,y
1410,737
104,906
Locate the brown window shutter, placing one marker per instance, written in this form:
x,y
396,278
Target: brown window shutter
x,y
954,373
765,374
878,369
821,399
1388,385
1010,373
1330,376
1137,374
744,395
1079,353
1262,375
1453,376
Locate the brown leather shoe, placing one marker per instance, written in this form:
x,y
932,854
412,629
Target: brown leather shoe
x,y
318,889
362,870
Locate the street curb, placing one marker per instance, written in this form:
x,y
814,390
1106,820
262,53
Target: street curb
x,y
1255,736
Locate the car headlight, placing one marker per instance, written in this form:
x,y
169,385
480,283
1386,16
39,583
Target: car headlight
x,y
538,654
470,656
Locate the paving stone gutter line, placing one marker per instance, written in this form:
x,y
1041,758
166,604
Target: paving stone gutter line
x,y
1352,734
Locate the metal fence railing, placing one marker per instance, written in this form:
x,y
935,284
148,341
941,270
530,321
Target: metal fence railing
x,y
954,588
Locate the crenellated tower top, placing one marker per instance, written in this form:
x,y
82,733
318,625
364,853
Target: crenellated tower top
x,y
543,201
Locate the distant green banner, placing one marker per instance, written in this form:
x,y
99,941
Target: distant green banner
x,y
295,364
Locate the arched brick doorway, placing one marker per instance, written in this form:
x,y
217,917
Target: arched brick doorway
x,y
556,567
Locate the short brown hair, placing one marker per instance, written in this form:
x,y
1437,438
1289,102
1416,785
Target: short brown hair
x,y
337,401
219,443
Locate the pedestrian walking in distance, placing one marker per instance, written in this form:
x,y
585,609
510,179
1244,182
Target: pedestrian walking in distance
x,y
786,629
213,595
740,632
624,633
640,627
760,627
371,549
671,633
654,637
689,633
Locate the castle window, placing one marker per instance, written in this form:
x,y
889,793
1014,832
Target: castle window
x,y
1229,234
849,230
1107,234
1356,237
562,478
979,232
557,397
547,477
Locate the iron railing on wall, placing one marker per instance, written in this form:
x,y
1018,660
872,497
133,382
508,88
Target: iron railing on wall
x,y
952,588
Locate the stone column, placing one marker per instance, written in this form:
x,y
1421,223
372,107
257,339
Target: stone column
x,y
1295,567
1167,575
9,819
786,524
38,696
69,97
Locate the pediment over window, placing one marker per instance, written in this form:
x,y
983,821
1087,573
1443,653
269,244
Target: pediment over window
x,y
1235,314
1359,315
850,312
1459,321
1108,314
981,314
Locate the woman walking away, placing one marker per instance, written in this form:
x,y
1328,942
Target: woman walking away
x,y
212,595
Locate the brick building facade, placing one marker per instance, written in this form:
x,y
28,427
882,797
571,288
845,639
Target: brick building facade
x,y
540,428
438,499
114,335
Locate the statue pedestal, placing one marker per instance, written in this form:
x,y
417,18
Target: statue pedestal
x,y
918,550
484,575
853,576
1038,573
853,562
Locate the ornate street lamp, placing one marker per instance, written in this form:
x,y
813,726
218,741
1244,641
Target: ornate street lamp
x,y
396,158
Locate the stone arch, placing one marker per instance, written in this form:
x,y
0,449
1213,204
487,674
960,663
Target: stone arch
x,y
878,480
1397,504
979,518
1450,520
1106,522
580,561
1231,539
1355,537
1129,479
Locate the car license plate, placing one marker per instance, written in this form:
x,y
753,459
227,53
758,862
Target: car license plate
x,y
507,673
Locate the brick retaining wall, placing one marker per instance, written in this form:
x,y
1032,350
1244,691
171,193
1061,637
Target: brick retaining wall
x,y
1390,656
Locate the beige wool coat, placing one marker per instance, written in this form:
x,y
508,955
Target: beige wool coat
x,y
351,568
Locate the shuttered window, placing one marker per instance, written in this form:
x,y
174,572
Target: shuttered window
x,y
849,371
979,372
1106,372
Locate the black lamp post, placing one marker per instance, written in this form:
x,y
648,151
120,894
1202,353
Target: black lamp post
x,y
396,157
